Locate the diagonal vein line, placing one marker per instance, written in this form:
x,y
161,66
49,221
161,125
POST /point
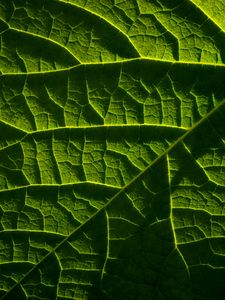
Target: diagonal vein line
x,y
206,15
102,19
123,189
34,35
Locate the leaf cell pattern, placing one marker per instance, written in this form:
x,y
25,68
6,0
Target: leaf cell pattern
x,y
112,149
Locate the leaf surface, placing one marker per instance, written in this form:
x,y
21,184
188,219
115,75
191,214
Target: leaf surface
x,y
112,150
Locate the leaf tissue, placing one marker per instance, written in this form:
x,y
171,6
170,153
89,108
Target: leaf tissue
x,y
112,149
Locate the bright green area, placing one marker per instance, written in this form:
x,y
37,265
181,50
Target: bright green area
x,y
112,150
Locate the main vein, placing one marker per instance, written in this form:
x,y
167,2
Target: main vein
x,y
123,189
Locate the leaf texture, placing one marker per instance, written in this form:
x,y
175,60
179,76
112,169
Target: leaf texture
x,y
112,150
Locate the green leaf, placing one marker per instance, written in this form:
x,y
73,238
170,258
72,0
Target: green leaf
x,y
112,149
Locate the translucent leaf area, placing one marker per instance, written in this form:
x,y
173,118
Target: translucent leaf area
x,y
112,150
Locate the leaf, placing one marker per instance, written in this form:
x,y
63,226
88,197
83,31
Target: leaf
x,y
112,149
